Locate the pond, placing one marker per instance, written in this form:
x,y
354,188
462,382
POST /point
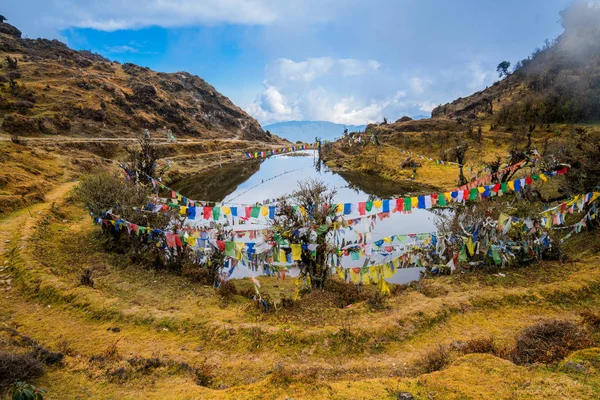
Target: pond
x,y
254,181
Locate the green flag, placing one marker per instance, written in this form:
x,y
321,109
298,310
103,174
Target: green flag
x,y
442,199
407,204
230,249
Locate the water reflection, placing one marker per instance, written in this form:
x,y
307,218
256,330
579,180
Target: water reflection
x,y
255,181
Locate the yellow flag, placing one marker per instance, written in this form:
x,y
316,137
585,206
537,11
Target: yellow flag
x,y
239,246
365,279
511,185
226,210
387,271
339,208
340,272
378,203
387,239
471,246
296,252
543,177
374,274
384,288
355,276
183,210
481,189
264,211
414,202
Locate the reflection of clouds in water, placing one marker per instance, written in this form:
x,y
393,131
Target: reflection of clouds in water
x,y
398,223
416,222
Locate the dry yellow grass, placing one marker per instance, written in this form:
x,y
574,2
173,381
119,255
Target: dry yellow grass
x,y
313,351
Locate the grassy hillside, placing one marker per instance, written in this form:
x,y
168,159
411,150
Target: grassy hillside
x,y
558,83
140,332
47,88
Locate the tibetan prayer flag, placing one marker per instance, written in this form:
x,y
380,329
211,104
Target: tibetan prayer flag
x,y
407,204
378,203
421,202
171,242
296,252
191,213
230,249
517,185
255,212
234,211
428,204
414,202
362,208
207,212
385,207
369,206
264,211
399,204
347,208
473,194
216,213
442,200
272,212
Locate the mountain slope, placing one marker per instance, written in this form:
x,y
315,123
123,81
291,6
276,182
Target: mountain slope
x,y
559,83
47,88
307,131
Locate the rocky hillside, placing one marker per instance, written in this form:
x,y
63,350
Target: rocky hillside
x,y
558,83
47,88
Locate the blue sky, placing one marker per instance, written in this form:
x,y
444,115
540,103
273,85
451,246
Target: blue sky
x,y
345,61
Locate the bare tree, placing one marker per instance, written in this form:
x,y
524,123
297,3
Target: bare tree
x,y
309,222
143,158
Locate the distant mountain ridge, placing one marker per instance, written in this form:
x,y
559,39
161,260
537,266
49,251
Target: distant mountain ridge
x,y
307,131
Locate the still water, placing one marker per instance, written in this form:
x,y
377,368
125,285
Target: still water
x,y
255,181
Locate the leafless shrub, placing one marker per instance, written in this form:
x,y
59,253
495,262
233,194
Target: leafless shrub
x,y
548,342
434,359
18,367
86,278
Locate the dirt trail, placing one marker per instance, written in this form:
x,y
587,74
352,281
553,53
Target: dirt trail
x,y
15,225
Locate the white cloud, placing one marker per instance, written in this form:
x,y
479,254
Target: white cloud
x,y
317,89
346,91
418,84
427,106
314,68
121,49
480,77
111,15
271,105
